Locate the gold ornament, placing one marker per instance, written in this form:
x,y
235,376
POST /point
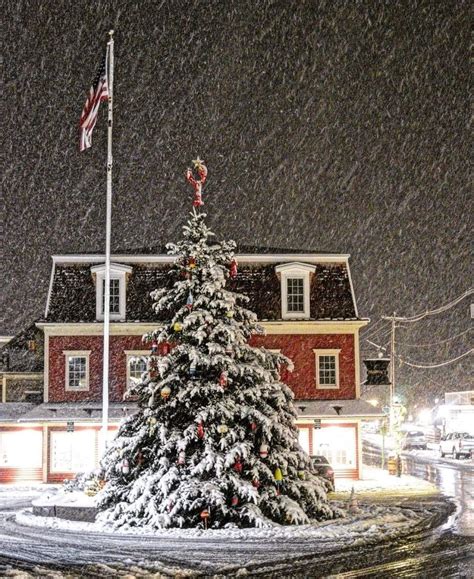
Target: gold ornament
x,y
165,392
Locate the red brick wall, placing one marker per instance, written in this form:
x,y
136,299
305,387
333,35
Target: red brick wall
x,y
118,369
299,348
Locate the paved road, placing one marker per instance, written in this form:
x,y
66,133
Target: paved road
x,y
453,478
429,553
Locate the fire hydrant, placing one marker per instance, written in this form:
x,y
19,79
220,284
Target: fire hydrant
x,y
392,465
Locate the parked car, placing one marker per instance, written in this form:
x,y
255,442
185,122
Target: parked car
x,y
414,439
458,444
322,467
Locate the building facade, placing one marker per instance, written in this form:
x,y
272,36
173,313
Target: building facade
x,y
304,302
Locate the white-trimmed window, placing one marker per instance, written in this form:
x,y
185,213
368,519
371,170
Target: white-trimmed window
x,y
137,364
118,288
77,370
295,290
327,369
114,295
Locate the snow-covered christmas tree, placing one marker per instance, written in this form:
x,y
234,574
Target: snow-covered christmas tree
x,y
213,442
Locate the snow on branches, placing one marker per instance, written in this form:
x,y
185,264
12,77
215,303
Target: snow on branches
x,y
214,442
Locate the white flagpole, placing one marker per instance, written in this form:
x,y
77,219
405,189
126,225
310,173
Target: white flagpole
x,y
105,374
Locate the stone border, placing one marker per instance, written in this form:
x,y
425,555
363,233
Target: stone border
x,y
70,513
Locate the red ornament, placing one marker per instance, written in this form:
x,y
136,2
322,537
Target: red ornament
x,y
253,426
238,465
200,430
223,379
256,483
165,348
233,268
235,501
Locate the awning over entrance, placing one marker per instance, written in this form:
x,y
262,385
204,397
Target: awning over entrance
x,y
338,409
12,411
77,412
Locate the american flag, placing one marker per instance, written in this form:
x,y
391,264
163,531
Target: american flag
x,y
98,92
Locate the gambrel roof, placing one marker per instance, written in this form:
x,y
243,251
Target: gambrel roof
x,y
72,295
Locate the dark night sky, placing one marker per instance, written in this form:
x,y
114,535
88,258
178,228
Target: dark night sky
x,y
326,126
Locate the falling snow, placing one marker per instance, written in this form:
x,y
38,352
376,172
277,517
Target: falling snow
x,y
329,127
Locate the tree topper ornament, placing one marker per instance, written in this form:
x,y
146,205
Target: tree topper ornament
x,y
197,183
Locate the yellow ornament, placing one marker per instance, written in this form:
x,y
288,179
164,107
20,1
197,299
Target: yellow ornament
x,y
230,314
177,327
165,392
278,475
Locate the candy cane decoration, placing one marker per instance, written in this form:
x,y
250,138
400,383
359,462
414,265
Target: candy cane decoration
x,y
197,183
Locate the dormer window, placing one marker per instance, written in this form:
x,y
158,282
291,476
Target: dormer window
x,y
118,287
295,295
114,295
295,289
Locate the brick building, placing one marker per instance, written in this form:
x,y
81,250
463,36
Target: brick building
x,y
305,303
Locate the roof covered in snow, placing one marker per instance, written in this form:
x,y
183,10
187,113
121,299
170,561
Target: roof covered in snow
x,y
24,352
12,411
75,411
72,296
356,408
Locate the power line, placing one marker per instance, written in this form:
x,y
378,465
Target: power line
x,y
420,365
376,332
369,331
434,312
440,342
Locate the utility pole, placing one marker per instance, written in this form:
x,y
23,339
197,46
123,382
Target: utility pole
x,y
392,372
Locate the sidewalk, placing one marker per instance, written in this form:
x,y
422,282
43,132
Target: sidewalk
x,y
377,483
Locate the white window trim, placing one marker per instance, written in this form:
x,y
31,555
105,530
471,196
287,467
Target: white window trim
x,y
134,354
327,352
295,271
76,354
117,271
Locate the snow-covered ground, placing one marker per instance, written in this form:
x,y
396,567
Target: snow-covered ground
x,y
178,552
367,523
376,480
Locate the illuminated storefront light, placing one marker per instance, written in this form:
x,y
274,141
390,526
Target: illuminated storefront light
x,y
21,448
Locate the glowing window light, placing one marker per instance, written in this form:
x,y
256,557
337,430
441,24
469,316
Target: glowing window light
x,y
21,449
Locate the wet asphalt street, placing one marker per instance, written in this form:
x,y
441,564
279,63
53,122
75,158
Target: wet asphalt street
x,y
442,549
